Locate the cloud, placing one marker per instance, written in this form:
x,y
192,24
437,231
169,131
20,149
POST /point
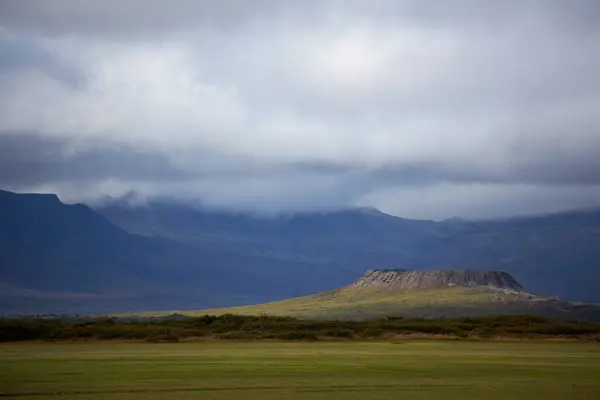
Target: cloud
x,y
30,159
21,54
283,106
479,200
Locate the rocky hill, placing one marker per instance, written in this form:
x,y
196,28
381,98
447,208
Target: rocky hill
x,y
405,280
433,293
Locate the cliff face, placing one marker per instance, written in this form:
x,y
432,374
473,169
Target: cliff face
x,y
404,280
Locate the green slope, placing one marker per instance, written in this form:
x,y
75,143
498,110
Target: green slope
x,y
372,302
351,302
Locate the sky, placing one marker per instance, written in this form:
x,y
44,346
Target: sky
x,y
423,109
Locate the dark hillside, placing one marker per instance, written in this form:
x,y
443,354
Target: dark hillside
x,y
56,256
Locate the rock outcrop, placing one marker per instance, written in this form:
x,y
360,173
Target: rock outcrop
x,y
405,280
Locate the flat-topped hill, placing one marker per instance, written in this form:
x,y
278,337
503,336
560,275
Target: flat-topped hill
x,y
405,280
432,293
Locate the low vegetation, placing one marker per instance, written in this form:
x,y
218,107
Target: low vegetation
x,y
235,327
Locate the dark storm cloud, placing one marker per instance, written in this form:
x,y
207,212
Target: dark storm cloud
x,y
147,16
22,53
30,159
421,107
133,17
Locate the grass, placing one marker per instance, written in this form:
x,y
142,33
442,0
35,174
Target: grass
x,y
365,303
415,369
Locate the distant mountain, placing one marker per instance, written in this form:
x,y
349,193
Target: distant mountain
x,y
557,254
432,293
165,255
68,258
340,237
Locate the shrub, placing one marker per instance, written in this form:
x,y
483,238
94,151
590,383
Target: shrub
x,y
298,336
167,338
284,328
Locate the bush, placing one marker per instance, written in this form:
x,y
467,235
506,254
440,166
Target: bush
x,y
284,328
337,333
298,336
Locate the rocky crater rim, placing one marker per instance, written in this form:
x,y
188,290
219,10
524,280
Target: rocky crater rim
x,y
405,280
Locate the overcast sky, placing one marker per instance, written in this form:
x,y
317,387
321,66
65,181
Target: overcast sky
x,y
424,109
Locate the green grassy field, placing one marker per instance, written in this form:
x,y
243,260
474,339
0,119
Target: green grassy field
x,y
415,369
371,302
376,302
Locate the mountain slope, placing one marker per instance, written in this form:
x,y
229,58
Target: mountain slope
x,y
439,293
341,237
556,254
57,257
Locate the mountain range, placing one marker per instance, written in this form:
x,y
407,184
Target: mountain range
x,y
556,254
56,257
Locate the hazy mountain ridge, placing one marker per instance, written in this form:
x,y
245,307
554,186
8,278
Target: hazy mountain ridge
x,y
182,257
49,248
563,249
